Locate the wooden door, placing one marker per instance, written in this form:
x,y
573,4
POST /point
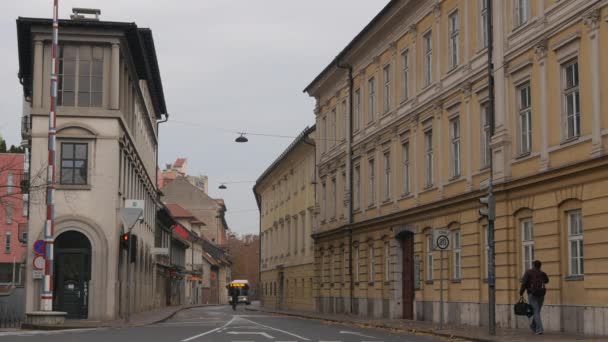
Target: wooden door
x,y
407,244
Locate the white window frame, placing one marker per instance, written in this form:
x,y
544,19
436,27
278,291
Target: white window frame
x,y
486,151
453,42
405,155
524,103
428,164
386,75
486,250
334,126
357,263
324,142
455,147
357,186
9,183
344,121
522,12
332,260
371,169
334,198
457,254
324,200
571,92
371,110
387,175
371,262
483,19
387,261
357,110
575,238
405,75
344,265
429,257
527,243
428,58
295,235
322,268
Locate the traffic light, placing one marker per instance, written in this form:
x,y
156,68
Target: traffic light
x,y
489,209
124,244
124,241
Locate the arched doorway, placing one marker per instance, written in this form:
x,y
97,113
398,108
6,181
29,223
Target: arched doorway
x,y
407,248
72,274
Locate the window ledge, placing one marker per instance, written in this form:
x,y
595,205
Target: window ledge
x,y
371,206
569,140
429,282
407,195
356,211
387,283
454,179
456,281
453,69
387,201
370,283
575,278
73,187
357,283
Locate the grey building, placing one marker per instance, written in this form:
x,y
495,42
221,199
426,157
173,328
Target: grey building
x,y
110,100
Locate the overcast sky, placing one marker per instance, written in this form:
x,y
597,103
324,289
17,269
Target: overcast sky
x,y
226,65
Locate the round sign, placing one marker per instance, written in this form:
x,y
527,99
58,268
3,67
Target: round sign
x,y
39,262
443,242
39,247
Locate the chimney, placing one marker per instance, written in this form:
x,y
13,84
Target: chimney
x,y
85,14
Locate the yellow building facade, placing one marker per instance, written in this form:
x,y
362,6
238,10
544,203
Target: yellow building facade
x,y
285,193
415,99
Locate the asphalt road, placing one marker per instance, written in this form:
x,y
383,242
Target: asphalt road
x,y
221,324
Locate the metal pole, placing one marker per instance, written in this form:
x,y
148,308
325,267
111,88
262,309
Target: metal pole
x,y
46,298
491,250
128,308
441,289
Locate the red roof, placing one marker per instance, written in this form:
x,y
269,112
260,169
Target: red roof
x,y
178,211
179,162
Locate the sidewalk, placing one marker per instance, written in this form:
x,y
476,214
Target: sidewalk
x,y
454,331
137,319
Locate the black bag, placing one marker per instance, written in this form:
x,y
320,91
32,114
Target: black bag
x,y
522,308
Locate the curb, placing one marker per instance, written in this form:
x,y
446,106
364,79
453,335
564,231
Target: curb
x,y
376,325
109,325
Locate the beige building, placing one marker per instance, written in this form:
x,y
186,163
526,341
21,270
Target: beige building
x,y
421,152
110,98
285,193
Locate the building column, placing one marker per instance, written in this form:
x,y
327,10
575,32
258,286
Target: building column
x,y
592,20
414,168
466,30
468,133
541,56
38,71
413,66
115,78
437,133
437,38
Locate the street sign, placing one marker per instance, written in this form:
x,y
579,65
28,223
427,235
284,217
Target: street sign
x,y
39,247
133,203
129,216
159,251
38,262
37,274
441,239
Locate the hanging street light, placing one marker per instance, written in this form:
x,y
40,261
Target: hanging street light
x,y
241,139
223,187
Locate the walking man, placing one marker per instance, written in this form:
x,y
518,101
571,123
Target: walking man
x,y
534,281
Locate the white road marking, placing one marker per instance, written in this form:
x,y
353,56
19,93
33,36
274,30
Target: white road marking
x,y
43,332
250,333
355,333
210,331
279,330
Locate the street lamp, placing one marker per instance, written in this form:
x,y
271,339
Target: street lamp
x,y
223,187
241,138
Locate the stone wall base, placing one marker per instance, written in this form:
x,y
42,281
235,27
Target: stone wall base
x,y
587,320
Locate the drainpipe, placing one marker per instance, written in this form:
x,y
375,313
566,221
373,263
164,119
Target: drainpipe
x,y
349,167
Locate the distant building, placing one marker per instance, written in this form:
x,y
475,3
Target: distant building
x,y
194,201
285,193
110,97
180,169
13,219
